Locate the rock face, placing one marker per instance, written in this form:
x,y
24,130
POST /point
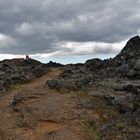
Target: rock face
x,y
128,60
19,70
131,50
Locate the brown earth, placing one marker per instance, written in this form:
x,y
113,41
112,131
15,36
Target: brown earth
x,y
41,114
33,111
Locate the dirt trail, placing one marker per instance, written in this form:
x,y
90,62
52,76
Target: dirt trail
x,y
8,118
42,113
6,100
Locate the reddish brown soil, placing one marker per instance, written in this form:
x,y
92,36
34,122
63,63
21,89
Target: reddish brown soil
x,y
46,114
43,114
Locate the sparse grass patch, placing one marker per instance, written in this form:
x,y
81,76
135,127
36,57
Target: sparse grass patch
x,y
13,86
92,131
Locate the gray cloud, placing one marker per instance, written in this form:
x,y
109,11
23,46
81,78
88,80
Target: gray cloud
x,y
40,26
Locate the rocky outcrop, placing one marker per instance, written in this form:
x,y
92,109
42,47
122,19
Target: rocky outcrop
x,y
127,61
130,51
126,100
18,71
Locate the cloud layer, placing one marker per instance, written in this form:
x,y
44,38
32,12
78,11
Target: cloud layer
x,y
67,27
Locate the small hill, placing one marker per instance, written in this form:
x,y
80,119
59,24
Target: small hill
x,y
19,71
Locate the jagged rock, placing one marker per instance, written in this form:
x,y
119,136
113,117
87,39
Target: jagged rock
x,y
131,50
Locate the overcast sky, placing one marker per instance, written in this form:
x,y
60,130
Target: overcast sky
x,y
66,30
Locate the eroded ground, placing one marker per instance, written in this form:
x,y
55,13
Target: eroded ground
x,y
33,111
